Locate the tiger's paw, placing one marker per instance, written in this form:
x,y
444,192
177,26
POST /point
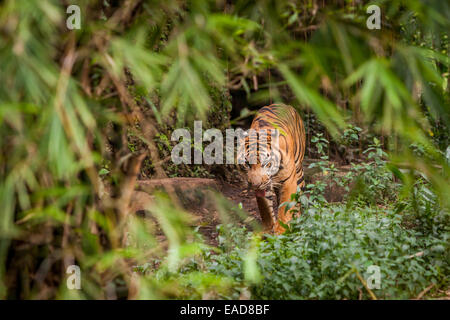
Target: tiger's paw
x,y
278,229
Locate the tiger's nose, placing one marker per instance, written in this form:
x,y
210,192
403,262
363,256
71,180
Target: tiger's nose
x,y
254,181
250,184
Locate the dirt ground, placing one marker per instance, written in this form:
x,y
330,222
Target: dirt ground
x,y
209,215
198,196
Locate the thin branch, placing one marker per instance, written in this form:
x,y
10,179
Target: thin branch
x,y
425,291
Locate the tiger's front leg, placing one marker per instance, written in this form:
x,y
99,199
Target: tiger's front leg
x,y
288,188
265,205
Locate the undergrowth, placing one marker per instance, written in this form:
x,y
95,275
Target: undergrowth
x,y
327,252
332,250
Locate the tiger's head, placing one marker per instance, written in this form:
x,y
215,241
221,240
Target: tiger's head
x,y
260,157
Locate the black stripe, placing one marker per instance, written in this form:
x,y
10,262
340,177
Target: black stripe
x,y
289,175
300,180
262,122
267,109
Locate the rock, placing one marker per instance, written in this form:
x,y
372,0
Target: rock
x,y
179,184
192,192
140,202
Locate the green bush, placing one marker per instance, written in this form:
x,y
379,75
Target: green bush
x,y
325,250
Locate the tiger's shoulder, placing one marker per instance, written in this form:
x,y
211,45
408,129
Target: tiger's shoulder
x,y
275,115
277,109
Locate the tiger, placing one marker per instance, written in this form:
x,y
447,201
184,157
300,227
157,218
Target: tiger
x,y
275,146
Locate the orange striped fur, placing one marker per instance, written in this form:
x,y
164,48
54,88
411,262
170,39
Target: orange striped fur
x,y
277,183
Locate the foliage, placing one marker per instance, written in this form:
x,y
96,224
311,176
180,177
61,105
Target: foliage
x,y
327,251
368,181
375,182
329,248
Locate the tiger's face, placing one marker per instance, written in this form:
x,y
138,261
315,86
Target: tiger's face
x,y
260,174
262,160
